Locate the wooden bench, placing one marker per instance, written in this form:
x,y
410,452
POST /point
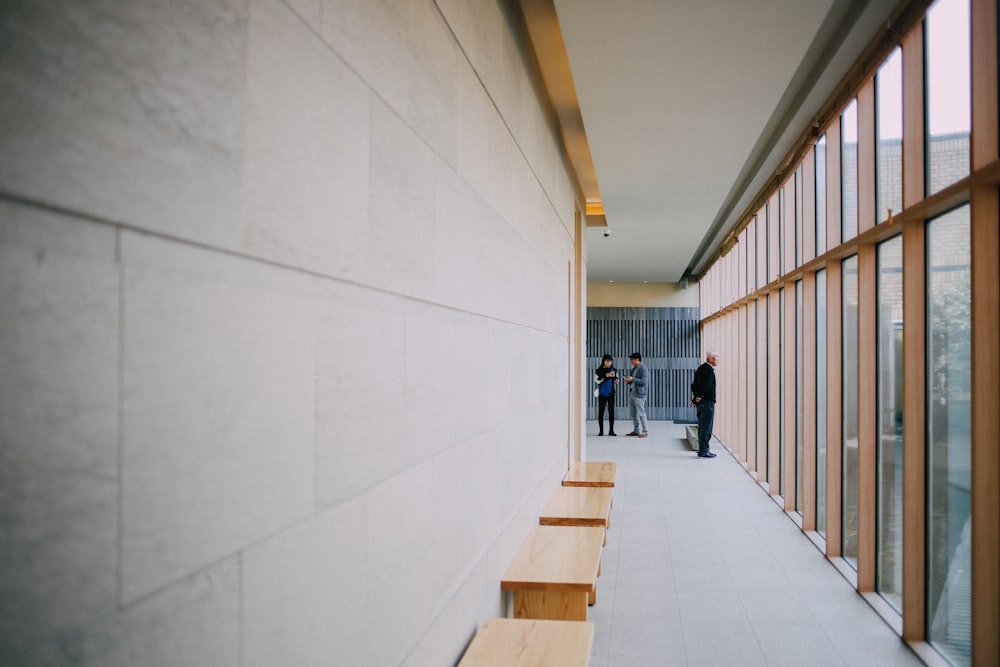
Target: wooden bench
x,y
554,574
509,642
591,473
579,506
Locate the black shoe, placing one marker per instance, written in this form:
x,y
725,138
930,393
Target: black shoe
x,y
613,434
599,434
706,455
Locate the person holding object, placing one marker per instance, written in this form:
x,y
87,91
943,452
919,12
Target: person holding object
x,y
638,382
703,398
605,377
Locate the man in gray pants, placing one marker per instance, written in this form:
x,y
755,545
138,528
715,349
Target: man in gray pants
x,y
638,382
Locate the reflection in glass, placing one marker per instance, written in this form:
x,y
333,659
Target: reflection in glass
x,y
889,136
821,195
889,452
821,402
849,444
949,385
798,396
849,171
948,93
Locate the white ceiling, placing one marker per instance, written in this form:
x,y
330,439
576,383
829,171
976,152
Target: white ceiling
x,y
688,108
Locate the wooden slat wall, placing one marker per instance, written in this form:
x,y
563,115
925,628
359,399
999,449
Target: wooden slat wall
x,y
669,341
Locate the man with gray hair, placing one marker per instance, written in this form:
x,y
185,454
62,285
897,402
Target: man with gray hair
x,y
703,397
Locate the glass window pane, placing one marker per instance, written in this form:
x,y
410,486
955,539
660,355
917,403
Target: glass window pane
x,y
798,396
798,216
781,391
849,445
949,387
753,410
889,141
821,402
763,386
760,222
782,241
821,196
889,548
948,93
849,171
773,241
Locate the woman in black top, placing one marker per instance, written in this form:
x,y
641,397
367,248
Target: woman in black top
x,y
605,377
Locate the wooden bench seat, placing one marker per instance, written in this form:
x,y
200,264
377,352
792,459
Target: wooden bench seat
x,y
578,506
591,473
509,642
554,574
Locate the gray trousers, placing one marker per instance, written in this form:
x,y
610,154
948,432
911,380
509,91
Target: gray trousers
x,y
637,410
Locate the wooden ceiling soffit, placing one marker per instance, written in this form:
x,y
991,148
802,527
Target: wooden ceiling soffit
x,y
550,53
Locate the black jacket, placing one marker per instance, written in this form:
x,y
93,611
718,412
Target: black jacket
x,y
704,383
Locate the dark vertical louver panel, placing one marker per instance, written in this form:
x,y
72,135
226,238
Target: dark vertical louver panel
x,y
670,344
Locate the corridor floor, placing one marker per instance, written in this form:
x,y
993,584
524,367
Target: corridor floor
x,y
701,567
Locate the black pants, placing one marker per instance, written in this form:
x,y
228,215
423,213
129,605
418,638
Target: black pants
x,y
609,403
706,417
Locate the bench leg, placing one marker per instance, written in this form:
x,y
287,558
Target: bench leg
x,y
551,605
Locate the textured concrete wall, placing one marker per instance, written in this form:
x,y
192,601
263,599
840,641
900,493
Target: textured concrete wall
x,y
271,278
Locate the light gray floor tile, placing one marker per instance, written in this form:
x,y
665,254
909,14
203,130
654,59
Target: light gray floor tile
x,y
703,568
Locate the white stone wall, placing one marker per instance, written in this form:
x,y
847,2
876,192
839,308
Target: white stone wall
x,y
283,328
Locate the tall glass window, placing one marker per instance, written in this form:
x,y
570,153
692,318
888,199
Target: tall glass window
x,y
773,242
751,380
798,396
753,412
821,195
821,402
782,241
798,216
763,386
849,444
889,452
760,222
782,388
849,171
949,388
948,92
889,139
